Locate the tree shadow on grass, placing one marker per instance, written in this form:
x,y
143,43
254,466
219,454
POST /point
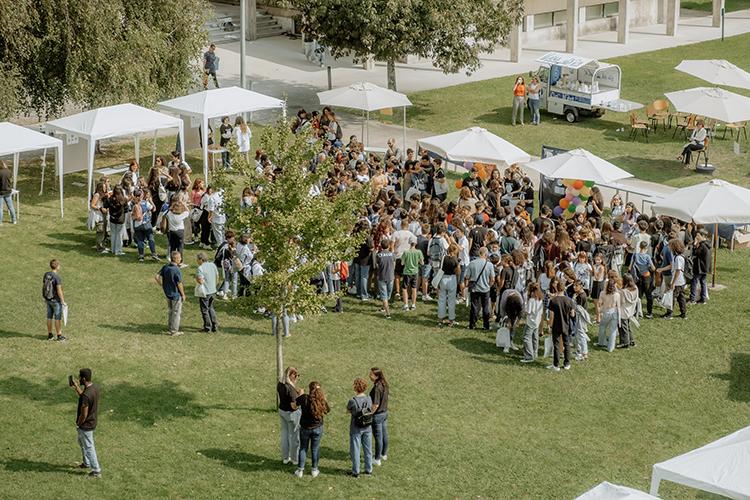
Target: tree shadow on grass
x,y
23,465
152,328
5,334
738,377
121,401
249,462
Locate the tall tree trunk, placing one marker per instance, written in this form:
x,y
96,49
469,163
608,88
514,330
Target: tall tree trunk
x,y
277,331
391,70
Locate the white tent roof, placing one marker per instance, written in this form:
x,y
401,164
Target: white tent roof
x,y
365,96
715,201
716,71
224,101
474,144
720,467
579,164
565,60
609,491
17,139
712,102
114,121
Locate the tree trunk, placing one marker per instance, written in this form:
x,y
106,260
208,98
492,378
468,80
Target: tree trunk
x,y
277,331
391,70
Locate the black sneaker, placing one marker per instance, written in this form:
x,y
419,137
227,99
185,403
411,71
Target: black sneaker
x,y
61,338
352,474
50,336
94,475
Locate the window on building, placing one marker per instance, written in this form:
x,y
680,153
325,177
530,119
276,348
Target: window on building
x,y
543,20
559,17
611,9
594,12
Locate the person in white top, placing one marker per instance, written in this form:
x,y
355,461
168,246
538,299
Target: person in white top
x,y
216,217
176,216
533,309
242,136
697,142
678,277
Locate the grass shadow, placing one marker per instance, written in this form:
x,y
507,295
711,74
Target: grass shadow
x,y
250,462
332,454
738,377
5,334
152,328
121,401
23,465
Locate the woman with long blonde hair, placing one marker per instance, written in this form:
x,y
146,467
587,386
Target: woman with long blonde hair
x,y
242,136
314,406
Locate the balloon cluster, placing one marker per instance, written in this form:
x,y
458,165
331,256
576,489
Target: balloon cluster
x,y
483,171
574,201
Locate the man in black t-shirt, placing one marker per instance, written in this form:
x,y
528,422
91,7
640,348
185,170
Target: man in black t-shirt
x,y
225,135
52,291
477,235
86,416
561,310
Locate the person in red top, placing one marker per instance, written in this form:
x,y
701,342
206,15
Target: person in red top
x,y
519,99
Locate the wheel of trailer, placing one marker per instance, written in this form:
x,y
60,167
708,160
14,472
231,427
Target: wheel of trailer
x,y
571,116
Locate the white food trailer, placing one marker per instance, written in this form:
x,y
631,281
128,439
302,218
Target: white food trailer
x,y
575,86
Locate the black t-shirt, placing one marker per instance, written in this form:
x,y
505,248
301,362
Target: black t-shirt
x,y
386,265
56,280
477,237
561,306
90,398
365,252
422,244
307,419
287,395
527,193
379,396
223,141
450,266
116,210
508,274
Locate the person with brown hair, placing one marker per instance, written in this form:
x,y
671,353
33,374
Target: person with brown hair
x,y
360,427
678,277
379,396
314,406
609,305
561,310
289,415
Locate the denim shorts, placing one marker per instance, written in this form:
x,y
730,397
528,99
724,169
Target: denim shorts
x,y
385,289
54,309
409,281
426,270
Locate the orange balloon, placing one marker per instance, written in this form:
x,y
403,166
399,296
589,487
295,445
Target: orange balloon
x,y
564,203
578,184
459,183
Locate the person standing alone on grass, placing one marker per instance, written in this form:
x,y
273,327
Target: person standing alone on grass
x,y
533,90
519,99
170,279
88,409
6,192
207,277
210,66
561,310
52,291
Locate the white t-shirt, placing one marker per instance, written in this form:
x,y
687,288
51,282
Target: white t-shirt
x,y
463,254
210,276
403,239
678,264
177,221
214,205
534,309
243,140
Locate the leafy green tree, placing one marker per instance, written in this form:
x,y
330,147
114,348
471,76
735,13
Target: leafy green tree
x,y
296,233
452,33
96,52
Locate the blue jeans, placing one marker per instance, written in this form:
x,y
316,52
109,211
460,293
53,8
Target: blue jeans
x,y
447,297
116,235
534,105
363,273
380,434
360,436
289,433
608,329
88,450
311,437
385,289
698,279
145,233
8,199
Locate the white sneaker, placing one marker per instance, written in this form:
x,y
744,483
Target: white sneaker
x,y
293,318
315,472
413,306
567,367
298,473
524,360
300,317
384,458
513,347
377,462
506,350
553,368
286,461
427,298
405,307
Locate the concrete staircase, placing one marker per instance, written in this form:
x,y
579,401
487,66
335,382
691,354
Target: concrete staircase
x,y
226,28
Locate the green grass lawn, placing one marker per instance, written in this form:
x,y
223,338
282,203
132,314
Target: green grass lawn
x,y
707,5
646,77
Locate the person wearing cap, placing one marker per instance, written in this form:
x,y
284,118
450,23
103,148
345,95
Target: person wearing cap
x,y
86,416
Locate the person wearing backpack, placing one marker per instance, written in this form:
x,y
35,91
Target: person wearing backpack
x,y
360,427
52,291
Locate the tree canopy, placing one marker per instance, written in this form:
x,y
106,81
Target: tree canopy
x,y
96,52
453,34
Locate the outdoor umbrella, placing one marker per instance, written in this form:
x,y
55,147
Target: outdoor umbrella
x,y
713,202
367,97
579,164
474,144
609,491
716,71
712,102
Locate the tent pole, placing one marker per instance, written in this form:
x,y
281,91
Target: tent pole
x,y
16,158
44,165
204,140
153,151
368,129
403,144
362,136
137,144
716,250
59,169
92,151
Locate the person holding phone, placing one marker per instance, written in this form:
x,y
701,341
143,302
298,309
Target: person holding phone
x,y
519,100
86,417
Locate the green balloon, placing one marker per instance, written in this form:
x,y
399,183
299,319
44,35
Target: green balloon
x,y
588,183
571,208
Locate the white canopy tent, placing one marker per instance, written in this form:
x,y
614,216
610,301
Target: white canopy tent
x,y
713,202
209,104
721,467
15,140
474,144
105,123
579,164
712,102
609,491
716,71
367,97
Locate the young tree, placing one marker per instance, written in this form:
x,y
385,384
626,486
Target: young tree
x,y
96,52
297,231
452,33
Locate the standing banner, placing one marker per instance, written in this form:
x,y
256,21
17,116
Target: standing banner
x,y
550,190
